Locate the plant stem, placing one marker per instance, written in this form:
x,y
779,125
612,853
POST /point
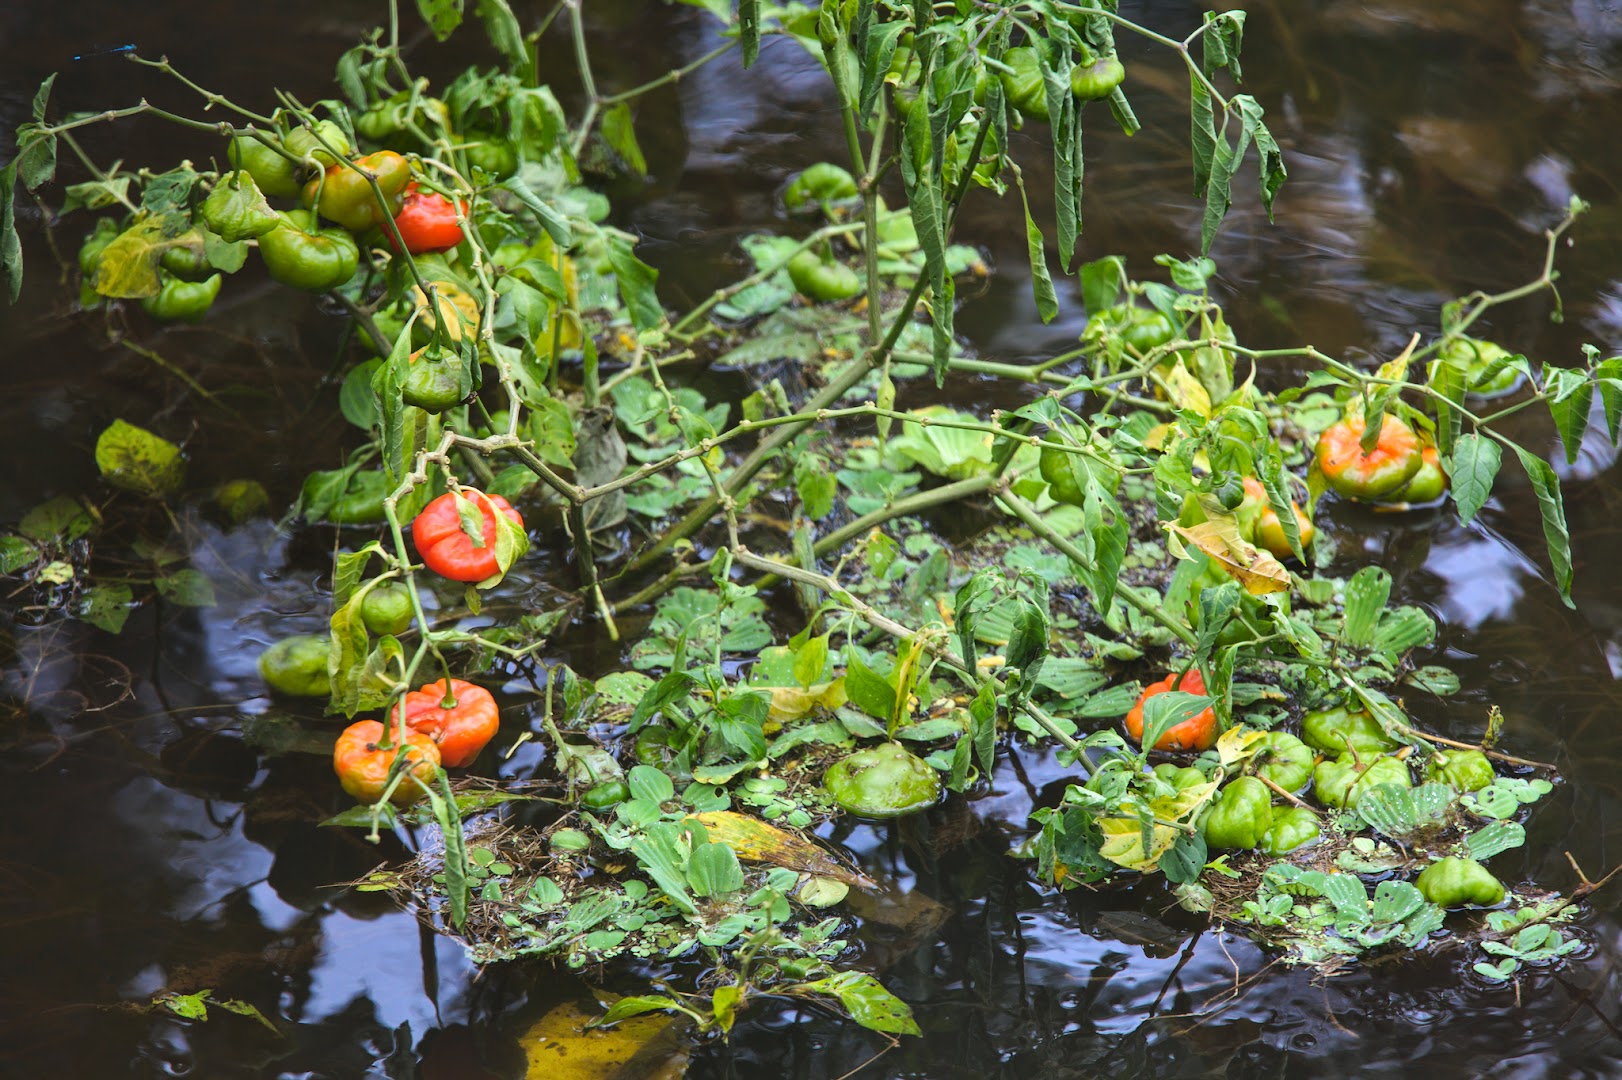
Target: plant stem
x,y
1154,609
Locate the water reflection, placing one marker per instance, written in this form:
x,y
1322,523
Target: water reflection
x,y
1428,144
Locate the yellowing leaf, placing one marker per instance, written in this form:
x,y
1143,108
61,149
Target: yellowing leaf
x,y
1258,571
1184,803
1123,843
560,1046
136,460
1397,369
1187,392
789,703
1237,744
752,840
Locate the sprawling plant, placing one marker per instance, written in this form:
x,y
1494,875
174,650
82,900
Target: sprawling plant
x,y
511,363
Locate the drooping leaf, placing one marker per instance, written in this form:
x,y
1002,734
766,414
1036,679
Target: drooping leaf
x,y
11,248
1474,467
620,134
442,16
1570,394
636,284
1047,302
1553,512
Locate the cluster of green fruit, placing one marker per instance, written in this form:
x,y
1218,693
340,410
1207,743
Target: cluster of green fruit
x,y
1243,815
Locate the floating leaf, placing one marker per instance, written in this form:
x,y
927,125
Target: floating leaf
x,y
136,460
568,1043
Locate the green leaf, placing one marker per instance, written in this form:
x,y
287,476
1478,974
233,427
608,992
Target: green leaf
x,y
1162,712
868,690
668,690
816,484
1553,511
96,194
650,784
187,1006
1493,838
636,284
1047,302
1218,191
662,853
105,607
1269,158
1027,646
1068,164
1184,861
1101,282
1221,41
878,51
355,399
138,461
11,248
620,134
1366,595
1608,377
749,30
455,857
713,870
1203,137
36,163
501,26
188,588
16,553
42,96
511,544
867,1001
555,224
636,1005
1570,394
57,520
442,16
1473,469
810,660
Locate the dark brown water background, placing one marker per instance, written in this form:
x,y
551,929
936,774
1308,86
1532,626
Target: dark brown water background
x,y
147,847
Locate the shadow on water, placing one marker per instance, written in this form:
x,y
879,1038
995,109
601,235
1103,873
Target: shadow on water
x,y
149,848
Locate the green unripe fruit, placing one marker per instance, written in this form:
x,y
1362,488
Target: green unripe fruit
x,y
885,781
387,609
297,666
1241,815
1292,827
1454,882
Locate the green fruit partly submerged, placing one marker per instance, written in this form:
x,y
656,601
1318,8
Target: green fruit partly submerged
x,y
1455,882
882,782
1292,827
1338,729
297,666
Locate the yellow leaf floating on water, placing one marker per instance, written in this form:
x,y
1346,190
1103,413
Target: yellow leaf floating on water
x,y
560,1046
752,840
1247,564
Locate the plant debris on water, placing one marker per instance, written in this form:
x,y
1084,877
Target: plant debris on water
x,y
829,600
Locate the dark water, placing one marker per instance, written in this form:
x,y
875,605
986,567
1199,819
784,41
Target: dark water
x,y
147,847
